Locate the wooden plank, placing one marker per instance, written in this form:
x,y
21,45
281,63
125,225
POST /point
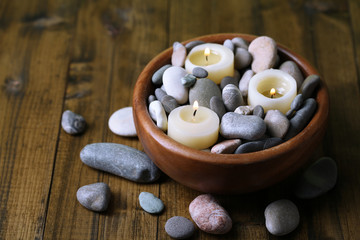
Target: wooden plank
x,y
32,71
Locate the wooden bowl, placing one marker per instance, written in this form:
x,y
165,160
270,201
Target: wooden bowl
x,y
226,173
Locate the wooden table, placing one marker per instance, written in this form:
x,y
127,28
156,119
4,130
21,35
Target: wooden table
x,y
86,55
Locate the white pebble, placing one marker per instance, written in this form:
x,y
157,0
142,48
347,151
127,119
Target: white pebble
x,y
122,123
158,114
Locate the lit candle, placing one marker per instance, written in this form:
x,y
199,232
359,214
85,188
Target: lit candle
x,y
272,89
216,59
194,126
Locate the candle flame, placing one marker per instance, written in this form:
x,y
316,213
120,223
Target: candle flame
x,y
196,105
207,52
272,92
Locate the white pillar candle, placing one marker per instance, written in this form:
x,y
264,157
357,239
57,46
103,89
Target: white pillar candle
x,y
197,131
219,63
261,84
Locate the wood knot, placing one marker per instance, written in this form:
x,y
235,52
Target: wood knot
x,y
14,85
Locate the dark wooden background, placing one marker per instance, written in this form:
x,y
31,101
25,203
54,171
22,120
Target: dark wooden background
x,y
86,55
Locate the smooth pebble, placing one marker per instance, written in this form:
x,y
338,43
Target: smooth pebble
x,y
160,93
169,103
202,91
151,98
255,146
229,44
309,85
157,113
228,80
292,68
242,58
281,217
200,72
121,122
264,51
247,127
259,111
150,203
173,86
226,147
192,44
244,110
179,54
297,102
188,80
73,123
232,97
179,227
240,43
95,197
317,179
121,160
209,216
244,82
157,76
217,105
277,123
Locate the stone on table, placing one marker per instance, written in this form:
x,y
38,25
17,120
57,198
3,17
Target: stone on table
x,y
73,123
150,203
121,122
95,197
179,227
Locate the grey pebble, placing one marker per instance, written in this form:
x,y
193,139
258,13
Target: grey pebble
x,y
240,43
179,54
192,44
150,203
258,145
317,179
188,80
242,58
237,75
259,111
309,85
157,76
229,44
244,82
289,114
73,123
226,147
228,80
200,72
179,227
217,105
121,160
281,217
244,110
297,102
301,118
292,68
95,197
202,91
151,98
247,127
169,103
160,93
232,97
277,123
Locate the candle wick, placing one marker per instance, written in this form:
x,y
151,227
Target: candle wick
x,y
194,113
272,95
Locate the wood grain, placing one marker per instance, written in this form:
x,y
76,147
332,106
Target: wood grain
x,y
86,55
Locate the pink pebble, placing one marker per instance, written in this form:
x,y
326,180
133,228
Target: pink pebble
x,y
209,216
226,147
179,55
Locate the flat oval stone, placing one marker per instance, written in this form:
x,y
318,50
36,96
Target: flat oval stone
x,y
247,127
264,51
232,97
258,145
301,118
297,102
228,80
192,44
217,105
202,91
179,55
188,80
281,217
242,58
259,111
150,203
179,227
226,147
209,216
173,86
73,123
157,113
240,43
277,123
244,110
169,103
121,160
244,82
309,85
229,44
317,179
157,76
200,72
121,122
151,98
95,197
292,68
160,93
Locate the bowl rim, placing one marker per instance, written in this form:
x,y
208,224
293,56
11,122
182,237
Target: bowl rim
x,y
141,108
